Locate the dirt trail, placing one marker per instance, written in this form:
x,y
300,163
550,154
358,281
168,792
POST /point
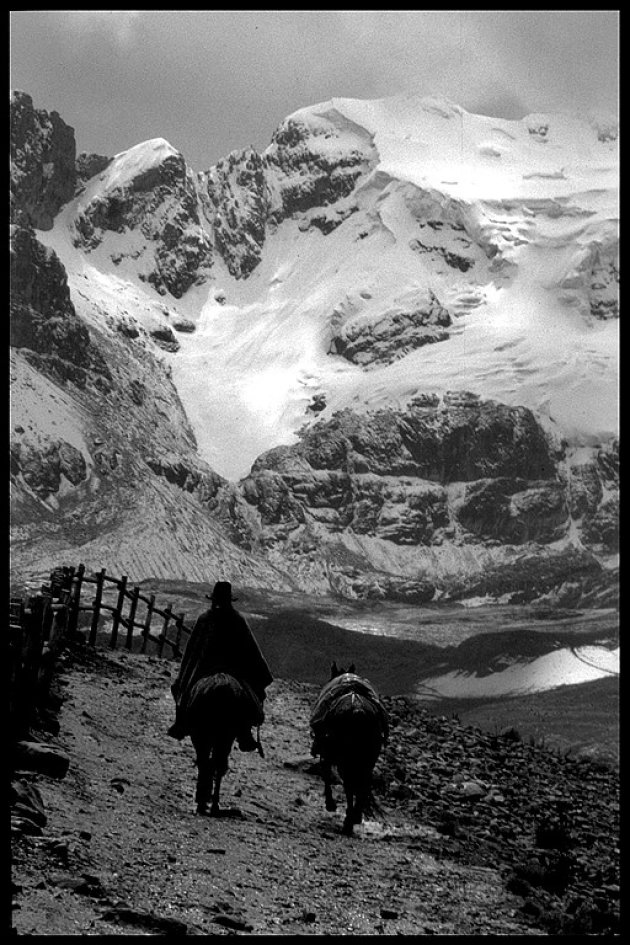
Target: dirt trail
x,y
124,853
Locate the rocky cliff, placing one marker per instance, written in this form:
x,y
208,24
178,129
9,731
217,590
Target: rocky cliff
x,y
331,259
454,479
43,173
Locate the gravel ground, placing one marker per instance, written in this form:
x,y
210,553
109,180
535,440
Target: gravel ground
x,y
452,850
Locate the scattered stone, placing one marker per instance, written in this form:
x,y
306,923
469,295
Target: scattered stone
x,y
145,920
387,913
233,922
473,789
41,758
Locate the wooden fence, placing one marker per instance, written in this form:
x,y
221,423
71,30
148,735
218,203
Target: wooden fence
x,y
40,627
75,582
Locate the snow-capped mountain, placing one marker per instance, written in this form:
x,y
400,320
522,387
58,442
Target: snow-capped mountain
x,y
380,356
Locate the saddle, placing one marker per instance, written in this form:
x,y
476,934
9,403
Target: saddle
x,y
339,687
332,699
180,729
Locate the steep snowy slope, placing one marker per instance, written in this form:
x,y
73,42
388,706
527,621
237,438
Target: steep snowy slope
x,y
513,232
376,257
498,237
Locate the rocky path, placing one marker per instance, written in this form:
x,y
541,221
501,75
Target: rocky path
x,y
122,851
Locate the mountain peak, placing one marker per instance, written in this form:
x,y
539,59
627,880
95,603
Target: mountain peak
x,y
375,258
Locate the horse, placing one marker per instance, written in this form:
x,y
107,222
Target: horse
x,y
350,727
216,711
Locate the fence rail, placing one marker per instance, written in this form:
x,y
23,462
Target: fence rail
x,y
40,626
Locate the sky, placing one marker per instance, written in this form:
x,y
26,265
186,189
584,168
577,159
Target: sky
x,y
216,80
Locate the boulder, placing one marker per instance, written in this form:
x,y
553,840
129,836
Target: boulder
x,y
34,756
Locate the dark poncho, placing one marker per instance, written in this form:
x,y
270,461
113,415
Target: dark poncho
x,y
222,642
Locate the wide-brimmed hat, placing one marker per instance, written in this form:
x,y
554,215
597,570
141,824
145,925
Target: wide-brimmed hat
x,y
221,593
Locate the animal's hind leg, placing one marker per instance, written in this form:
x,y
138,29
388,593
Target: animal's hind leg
x,y
219,761
360,803
331,804
204,777
351,812
215,808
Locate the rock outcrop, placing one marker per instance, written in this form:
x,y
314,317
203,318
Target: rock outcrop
x,y
43,319
88,165
186,217
456,472
387,474
315,159
238,209
397,502
43,174
151,191
392,334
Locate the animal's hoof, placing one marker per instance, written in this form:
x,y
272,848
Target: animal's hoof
x,y
347,829
201,810
331,805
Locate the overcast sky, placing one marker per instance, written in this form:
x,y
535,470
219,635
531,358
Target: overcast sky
x,y
212,81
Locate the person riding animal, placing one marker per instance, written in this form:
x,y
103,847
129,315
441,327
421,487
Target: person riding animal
x,y
222,642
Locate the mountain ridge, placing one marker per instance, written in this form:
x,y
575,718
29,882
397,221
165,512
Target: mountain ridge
x,y
255,302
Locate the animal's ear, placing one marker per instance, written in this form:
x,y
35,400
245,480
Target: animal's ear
x,y
351,668
333,669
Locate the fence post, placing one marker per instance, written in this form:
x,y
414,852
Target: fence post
x,y
122,584
147,623
132,616
178,623
168,611
16,646
32,642
96,606
74,601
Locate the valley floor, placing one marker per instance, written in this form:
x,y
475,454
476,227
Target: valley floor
x,y
123,852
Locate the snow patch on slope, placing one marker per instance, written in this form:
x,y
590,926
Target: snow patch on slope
x,y
512,225
562,667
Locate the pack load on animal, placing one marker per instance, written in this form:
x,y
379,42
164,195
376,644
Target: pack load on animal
x,y
349,726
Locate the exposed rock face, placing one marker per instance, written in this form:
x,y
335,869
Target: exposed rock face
x,y
184,217
43,317
514,511
386,475
393,334
601,529
388,504
594,498
43,174
157,196
456,471
237,192
592,282
604,284
88,165
42,466
309,164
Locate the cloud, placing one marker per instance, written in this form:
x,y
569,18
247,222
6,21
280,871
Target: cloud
x,y
214,80
118,25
